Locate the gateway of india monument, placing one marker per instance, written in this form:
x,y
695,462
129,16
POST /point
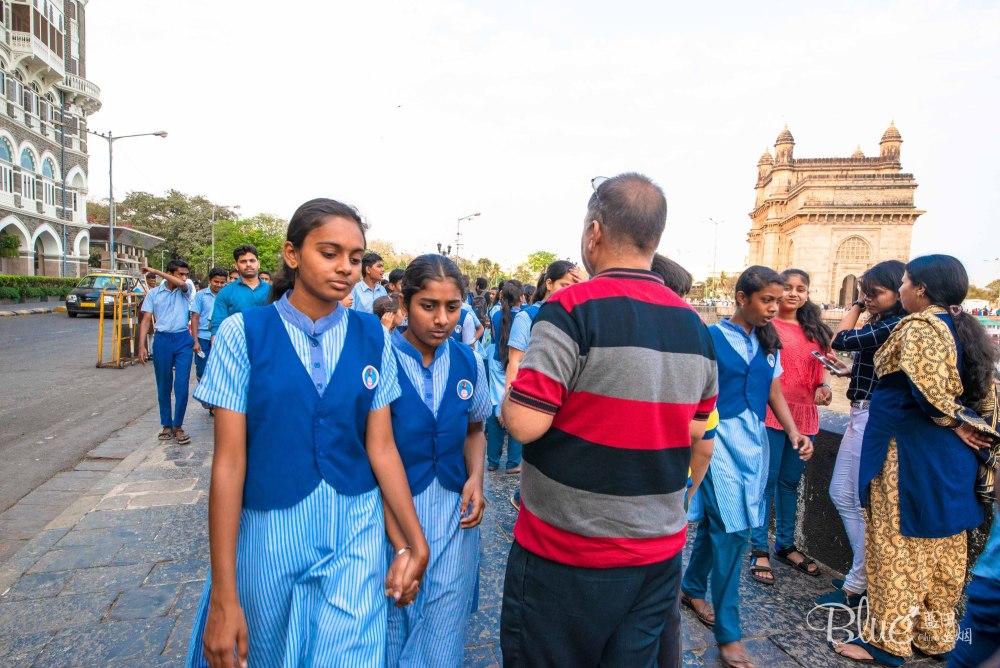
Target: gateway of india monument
x,y
833,217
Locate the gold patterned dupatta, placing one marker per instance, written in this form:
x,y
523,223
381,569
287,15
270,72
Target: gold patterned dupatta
x,y
924,349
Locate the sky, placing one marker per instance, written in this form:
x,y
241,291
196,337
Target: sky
x,y
420,113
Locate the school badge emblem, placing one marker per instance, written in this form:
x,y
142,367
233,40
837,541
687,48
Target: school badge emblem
x,y
464,390
369,376
771,360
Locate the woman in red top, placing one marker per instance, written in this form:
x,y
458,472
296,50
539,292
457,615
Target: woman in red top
x,y
805,384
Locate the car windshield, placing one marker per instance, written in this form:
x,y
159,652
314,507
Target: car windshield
x,y
101,282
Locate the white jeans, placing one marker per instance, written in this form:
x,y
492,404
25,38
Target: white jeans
x,y
844,493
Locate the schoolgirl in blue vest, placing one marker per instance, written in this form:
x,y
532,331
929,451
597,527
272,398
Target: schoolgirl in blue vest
x,y
438,425
730,500
558,275
303,467
510,298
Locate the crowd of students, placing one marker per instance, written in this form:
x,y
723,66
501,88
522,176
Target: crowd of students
x,y
347,488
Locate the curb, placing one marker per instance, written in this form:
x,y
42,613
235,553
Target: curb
x,y
33,311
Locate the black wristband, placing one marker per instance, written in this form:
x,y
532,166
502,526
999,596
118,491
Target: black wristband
x,y
860,304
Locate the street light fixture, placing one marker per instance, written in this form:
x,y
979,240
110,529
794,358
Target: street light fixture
x,y
111,139
458,232
214,207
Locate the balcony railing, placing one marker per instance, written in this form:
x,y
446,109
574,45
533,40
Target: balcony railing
x,y
81,85
28,43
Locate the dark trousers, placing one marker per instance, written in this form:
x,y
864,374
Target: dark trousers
x,y
558,615
979,634
200,362
172,353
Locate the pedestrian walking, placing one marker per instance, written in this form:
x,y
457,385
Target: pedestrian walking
x,y
438,424
730,500
246,292
369,288
618,377
167,306
201,318
498,357
302,467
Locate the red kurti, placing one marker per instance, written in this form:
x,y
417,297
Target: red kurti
x,y
801,375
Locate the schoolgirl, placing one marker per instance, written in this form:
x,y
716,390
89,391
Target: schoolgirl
x,y
558,275
729,501
438,425
296,527
509,299
805,384
880,299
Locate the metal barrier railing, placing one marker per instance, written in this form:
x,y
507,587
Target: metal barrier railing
x,y
124,329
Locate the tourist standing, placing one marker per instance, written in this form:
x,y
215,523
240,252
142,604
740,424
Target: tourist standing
x,y
168,306
920,463
498,357
805,384
370,287
246,292
596,560
730,500
880,299
303,466
201,318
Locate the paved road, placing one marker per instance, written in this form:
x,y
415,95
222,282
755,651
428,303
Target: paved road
x,y
55,405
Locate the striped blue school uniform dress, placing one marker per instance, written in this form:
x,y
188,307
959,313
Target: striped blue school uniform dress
x,y
730,500
430,420
310,556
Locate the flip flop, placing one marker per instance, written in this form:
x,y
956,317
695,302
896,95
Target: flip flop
x,y
182,438
702,616
166,435
755,569
803,566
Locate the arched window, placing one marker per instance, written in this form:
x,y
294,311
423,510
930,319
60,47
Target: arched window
x,y
27,160
48,169
48,182
790,260
28,186
6,171
854,250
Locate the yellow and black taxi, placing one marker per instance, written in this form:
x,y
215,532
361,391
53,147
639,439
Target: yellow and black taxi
x,y
97,289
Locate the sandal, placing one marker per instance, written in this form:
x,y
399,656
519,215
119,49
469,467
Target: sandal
x,y
703,616
755,570
182,438
166,435
807,561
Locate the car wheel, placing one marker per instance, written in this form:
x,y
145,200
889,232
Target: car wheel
x,y
72,314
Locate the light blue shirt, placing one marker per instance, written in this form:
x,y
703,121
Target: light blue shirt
x,y
169,308
226,382
740,460
520,332
203,304
364,297
431,381
988,565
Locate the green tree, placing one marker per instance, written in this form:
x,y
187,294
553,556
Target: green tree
x,y
263,231
539,262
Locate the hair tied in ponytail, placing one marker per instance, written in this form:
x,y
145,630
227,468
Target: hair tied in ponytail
x,y
955,310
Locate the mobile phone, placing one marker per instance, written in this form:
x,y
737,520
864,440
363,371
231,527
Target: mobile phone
x,y
835,367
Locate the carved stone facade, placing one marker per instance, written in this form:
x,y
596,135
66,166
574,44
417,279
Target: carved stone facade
x,y
832,217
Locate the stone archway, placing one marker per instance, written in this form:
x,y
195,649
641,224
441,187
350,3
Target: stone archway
x,y
849,290
18,264
48,252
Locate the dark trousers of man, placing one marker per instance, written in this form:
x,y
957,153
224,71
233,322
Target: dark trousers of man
x,y
201,360
558,615
172,353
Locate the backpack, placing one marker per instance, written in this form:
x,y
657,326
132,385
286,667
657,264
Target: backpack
x,y
481,308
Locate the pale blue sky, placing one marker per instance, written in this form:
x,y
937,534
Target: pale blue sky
x,y
419,113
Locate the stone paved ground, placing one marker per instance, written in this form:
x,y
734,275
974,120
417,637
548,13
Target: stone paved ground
x,y
115,578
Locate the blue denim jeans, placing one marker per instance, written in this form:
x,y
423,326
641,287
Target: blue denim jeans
x,y
495,435
172,353
200,362
783,474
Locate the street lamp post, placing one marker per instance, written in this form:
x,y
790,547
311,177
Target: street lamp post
x,y
111,139
214,207
458,232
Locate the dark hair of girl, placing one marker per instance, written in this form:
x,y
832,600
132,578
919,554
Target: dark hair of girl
x,y
754,279
810,316
430,267
307,218
674,276
496,299
889,276
510,297
946,284
554,272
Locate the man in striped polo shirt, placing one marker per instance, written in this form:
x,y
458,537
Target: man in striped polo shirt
x,y
618,378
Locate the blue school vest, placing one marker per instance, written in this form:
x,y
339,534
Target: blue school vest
x,y
457,334
741,385
532,311
295,437
435,447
